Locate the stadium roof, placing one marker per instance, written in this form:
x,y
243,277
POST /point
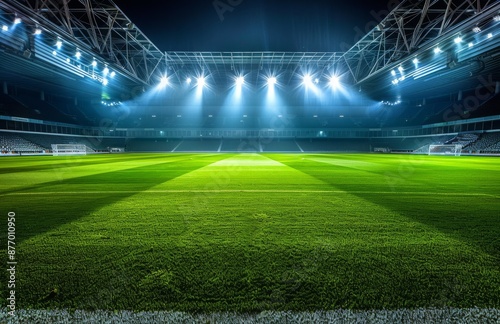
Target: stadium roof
x,y
102,32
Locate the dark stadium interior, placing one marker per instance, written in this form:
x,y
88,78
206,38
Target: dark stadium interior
x,y
456,86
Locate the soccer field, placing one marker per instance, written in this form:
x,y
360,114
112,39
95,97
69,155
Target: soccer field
x,y
253,232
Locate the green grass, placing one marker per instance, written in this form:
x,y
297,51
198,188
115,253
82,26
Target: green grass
x,y
250,232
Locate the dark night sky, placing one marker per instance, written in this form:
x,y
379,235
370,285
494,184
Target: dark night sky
x,y
254,25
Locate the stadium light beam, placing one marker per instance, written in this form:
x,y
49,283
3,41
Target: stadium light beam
x,y
310,83
5,28
271,91
271,81
235,95
240,81
201,82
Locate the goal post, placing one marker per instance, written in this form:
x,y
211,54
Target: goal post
x,y
450,149
68,149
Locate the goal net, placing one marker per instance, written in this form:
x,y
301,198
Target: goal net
x,y
452,149
68,149
116,150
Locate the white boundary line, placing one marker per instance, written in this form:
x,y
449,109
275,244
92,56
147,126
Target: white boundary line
x,y
415,316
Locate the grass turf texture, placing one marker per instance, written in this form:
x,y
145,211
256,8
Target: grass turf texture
x,y
251,232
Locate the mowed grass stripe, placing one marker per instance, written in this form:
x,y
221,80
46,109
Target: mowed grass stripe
x,y
26,177
400,173
56,210
417,193
244,172
121,173
34,163
463,217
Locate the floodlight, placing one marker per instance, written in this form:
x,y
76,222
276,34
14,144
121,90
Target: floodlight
x,y
393,73
271,81
476,29
496,18
54,52
78,54
105,82
113,73
17,21
240,80
200,81
415,61
94,63
5,28
58,44
188,80
471,44
400,69
307,80
164,81
458,40
334,81
437,50
490,35
38,31
105,71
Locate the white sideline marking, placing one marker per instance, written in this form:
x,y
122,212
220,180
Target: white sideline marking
x,y
402,315
423,193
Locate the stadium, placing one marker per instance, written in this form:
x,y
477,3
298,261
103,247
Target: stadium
x,y
144,185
